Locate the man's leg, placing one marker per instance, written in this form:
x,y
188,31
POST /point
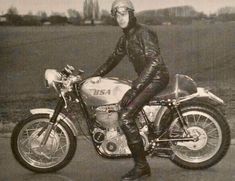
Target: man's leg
x,y
136,147
131,131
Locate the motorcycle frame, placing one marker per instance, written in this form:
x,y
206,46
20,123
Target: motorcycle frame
x,y
171,105
85,113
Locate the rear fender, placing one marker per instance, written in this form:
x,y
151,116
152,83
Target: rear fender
x,y
162,118
60,117
204,97
204,93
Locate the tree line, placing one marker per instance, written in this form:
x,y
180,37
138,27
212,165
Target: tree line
x,y
92,14
12,17
184,15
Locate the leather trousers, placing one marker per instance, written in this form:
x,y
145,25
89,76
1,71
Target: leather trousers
x,y
128,113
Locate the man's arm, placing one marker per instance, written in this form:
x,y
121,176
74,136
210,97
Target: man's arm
x,y
149,43
117,55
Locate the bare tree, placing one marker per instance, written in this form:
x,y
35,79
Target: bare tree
x,y
91,10
74,16
12,11
97,10
42,16
85,9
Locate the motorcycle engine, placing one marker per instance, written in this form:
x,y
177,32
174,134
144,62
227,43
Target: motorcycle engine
x,y
107,116
110,138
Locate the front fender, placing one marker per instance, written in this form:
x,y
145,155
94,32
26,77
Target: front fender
x,y
61,117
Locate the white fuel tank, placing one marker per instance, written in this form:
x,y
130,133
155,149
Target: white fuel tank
x,y
105,91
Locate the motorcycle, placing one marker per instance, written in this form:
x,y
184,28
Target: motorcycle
x,y
184,123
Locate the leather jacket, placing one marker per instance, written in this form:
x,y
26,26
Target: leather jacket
x,y
140,44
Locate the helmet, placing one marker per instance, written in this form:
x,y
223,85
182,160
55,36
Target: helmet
x,y
121,4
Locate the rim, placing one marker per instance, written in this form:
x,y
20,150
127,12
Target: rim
x,y
202,126
49,155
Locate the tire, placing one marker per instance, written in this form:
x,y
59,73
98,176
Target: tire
x,y
55,155
214,139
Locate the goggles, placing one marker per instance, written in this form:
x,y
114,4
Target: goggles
x,y
119,11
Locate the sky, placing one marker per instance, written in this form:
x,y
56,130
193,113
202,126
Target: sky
x,y
25,6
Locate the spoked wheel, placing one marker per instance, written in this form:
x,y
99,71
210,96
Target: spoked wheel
x,y
27,147
211,133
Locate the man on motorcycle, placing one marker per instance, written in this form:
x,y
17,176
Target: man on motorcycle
x,y
140,44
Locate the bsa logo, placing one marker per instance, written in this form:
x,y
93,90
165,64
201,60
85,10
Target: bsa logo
x,y
100,92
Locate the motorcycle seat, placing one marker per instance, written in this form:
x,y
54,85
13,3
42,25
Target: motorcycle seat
x,y
166,94
181,87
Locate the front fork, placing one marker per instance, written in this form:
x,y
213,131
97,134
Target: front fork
x,y
53,120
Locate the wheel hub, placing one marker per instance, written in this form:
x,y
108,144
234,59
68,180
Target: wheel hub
x,y
200,137
51,145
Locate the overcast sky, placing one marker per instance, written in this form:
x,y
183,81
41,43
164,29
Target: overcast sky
x,y
24,6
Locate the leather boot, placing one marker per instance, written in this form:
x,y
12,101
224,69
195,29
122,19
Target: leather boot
x,y
141,168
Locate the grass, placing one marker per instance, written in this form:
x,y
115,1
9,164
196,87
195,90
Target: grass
x,y
204,52
6,127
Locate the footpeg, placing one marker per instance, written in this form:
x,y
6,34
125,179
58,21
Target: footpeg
x,y
162,150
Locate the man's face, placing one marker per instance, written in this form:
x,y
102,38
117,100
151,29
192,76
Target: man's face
x,y
122,17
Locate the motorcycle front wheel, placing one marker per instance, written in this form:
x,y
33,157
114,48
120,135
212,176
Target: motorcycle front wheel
x,y
212,134
55,154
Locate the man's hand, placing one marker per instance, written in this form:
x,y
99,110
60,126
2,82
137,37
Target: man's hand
x,y
96,80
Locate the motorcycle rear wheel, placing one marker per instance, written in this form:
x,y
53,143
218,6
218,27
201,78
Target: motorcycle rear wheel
x,y
213,132
54,155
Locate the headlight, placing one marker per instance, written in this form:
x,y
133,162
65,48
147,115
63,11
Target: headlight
x,y
52,76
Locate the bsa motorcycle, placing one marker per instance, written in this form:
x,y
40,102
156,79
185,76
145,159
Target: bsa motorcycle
x,y
184,123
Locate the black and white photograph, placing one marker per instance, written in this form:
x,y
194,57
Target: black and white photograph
x,y
117,90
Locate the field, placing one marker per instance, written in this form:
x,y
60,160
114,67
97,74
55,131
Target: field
x,y
204,52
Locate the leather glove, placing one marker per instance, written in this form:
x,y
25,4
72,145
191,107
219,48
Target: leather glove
x,y
96,80
128,97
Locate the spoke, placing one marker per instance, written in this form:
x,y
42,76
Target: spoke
x,y
211,131
200,153
205,122
28,152
198,119
40,161
27,133
31,129
194,119
37,126
63,137
208,125
53,140
42,157
61,148
55,157
181,148
60,135
186,120
192,154
28,147
213,136
23,142
210,144
177,126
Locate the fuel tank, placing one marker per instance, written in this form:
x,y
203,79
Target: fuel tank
x,y
105,91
